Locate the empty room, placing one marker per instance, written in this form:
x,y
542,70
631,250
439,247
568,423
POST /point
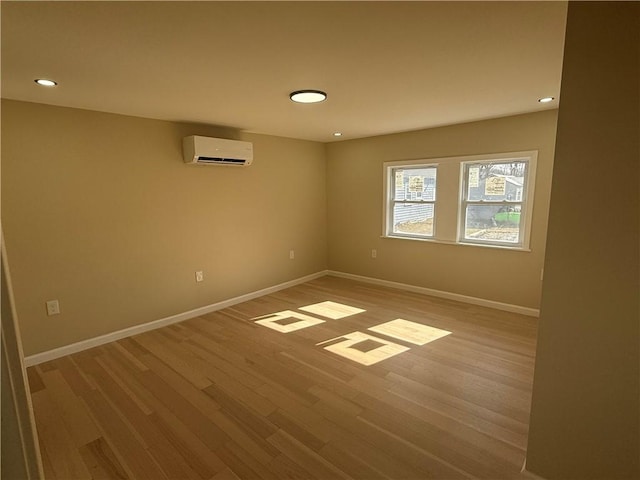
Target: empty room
x,y
320,240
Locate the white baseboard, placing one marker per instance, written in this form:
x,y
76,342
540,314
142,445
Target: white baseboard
x,y
507,307
163,322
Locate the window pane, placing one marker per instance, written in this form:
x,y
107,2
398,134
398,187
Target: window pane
x,y
415,184
493,223
413,218
496,181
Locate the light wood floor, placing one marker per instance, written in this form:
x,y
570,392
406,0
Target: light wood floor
x,y
222,397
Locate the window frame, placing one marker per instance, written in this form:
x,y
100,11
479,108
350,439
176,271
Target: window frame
x,y
526,201
390,201
453,224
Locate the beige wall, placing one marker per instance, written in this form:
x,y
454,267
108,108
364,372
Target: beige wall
x,y
355,192
586,394
100,212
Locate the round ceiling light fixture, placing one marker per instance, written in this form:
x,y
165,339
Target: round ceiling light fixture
x,y
45,82
308,96
546,99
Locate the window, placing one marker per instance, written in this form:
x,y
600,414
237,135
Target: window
x,y
481,200
492,201
413,201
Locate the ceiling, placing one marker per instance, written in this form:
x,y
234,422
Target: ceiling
x,y
387,67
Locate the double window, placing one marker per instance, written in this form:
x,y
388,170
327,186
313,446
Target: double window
x,y
482,200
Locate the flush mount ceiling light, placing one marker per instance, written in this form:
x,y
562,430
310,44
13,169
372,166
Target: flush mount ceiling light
x,y
45,82
337,134
546,99
308,96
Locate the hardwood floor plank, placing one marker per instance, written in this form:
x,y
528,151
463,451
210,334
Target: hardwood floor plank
x,y
131,358
226,360
389,403
102,461
35,380
111,368
163,451
185,440
220,397
295,430
241,412
260,450
445,447
470,387
187,390
289,379
379,459
421,463
195,453
304,456
243,463
335,401
221,381
153,342
350,464
80,383
63,457
124,440
516,377
226,474
47,466
325,370
167,399
285,468
45,367
509,418
73,410
309,420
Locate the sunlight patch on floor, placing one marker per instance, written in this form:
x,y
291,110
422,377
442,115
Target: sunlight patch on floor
x,y
332,310
356,346
411,332
348,348
282,321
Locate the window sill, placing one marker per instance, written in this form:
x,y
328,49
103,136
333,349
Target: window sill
x,y
459,244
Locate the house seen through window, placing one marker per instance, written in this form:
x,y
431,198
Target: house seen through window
x,y
493,196
414,198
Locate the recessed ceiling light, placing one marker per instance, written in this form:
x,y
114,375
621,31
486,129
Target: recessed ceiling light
x,y
337,134
45,82
307,96
546,99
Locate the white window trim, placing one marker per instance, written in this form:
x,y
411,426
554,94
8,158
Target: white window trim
x,y
389,200
529,194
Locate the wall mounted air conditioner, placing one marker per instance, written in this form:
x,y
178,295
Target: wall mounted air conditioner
x,y
216,151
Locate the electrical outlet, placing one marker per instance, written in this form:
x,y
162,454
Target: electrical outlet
x,y
53,307
374,253
292,254
199,276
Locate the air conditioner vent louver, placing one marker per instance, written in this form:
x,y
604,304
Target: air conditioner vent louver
x,y
219,160
216,151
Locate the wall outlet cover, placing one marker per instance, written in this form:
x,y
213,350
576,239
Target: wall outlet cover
x,y
53,307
